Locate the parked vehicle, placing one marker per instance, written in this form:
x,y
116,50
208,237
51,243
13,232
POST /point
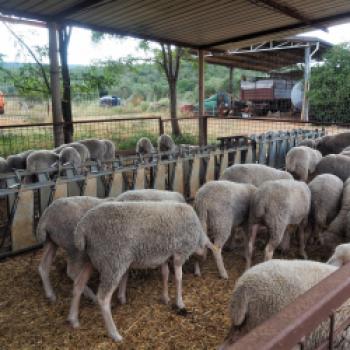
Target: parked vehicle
x,y
217,105
110,101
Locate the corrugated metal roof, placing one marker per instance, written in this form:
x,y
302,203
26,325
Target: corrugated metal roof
x,y
223,24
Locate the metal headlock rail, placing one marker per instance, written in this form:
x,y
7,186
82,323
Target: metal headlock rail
x,y
24,196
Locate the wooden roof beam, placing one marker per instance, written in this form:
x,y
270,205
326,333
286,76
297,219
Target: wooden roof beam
x,y
288,11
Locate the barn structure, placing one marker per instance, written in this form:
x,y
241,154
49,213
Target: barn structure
x,y
249,24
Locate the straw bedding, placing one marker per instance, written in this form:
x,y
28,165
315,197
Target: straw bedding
x,y
29,321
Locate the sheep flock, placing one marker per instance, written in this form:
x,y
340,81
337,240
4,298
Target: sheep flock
x,y
307,204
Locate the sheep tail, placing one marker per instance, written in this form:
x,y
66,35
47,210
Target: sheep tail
x,y
202,213
239,305
79,238
41,232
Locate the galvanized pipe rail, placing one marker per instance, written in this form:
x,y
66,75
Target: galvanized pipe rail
x,y
291,325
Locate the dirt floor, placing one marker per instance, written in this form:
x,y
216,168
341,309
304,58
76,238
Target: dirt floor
x,y
29,321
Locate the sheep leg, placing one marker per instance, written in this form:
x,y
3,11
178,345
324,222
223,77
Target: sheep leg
x,y
197,269
122,288
178,282
104,296
285,244
165,277
250,248
73,270
49,254
79,285
301,232
276,236
217,252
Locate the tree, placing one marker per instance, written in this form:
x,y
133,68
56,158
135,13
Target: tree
x,y
330,85
170,62
64,34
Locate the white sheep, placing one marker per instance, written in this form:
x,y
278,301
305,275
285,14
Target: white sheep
x,y
70,156
121,235
151,195
166,144
222,206
265,289
56,229
97,149
276,205
18,161
255,174
42,160
326,192
4,167
339,228
301,162
58,222
336,164
110,150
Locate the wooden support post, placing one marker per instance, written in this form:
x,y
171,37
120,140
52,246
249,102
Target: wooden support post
x,y
90,186
57,116
201,94
161,176
194,178
178,182
61,189
224,162
307,72
210,173
140,178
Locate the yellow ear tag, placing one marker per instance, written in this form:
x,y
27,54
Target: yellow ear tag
x,y
216,248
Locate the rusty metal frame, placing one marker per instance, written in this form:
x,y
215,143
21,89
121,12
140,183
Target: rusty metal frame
x,y
299,319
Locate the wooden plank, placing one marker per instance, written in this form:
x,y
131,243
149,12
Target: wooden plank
x,y
90,186
210,173
161,175
224,162
23,221
249,155
178,183
61,189
194,179
140,178
117,186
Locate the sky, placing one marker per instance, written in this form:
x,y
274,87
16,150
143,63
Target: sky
x,y
83,51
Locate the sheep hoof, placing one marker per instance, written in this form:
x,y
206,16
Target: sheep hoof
x,y
224,276
165,300
52,298
122,300
74,323
116,337
181,311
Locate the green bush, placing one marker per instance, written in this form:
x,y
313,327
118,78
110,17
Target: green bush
x,y
330,86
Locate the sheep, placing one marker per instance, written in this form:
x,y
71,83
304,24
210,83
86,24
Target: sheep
x,y
150,195
71,156
82,150
301,162
18,161
41,160
346,151
326,192
56,228
265,289
97,149
221,206
308,143
276,205
333,144
4,167
110,149
339,228
166,144
58,222
121,235
254,174
336,164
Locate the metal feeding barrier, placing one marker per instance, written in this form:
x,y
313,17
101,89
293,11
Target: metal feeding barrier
x,y
24,196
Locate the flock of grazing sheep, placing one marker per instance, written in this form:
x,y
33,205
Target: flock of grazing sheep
x,y
151,228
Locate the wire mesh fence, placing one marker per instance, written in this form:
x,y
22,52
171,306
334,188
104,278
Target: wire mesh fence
x,y
124,132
